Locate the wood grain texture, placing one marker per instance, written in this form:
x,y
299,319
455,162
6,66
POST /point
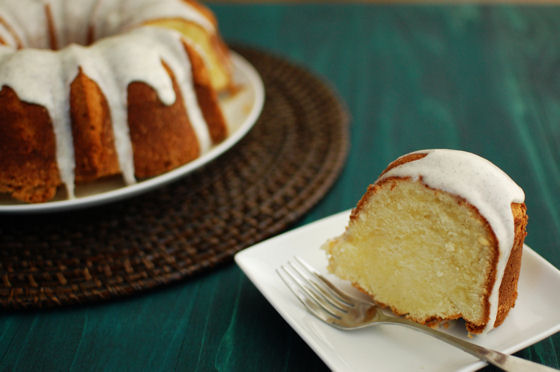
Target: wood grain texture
x,y
480,78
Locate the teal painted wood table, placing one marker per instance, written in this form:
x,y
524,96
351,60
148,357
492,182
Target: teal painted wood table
x,y
480,78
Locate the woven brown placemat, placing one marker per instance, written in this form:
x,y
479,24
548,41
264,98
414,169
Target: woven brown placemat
x,y
273,176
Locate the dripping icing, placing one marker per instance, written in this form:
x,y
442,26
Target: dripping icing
x,y
113,63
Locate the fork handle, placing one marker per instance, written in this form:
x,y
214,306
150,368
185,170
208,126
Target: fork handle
x,y
504,361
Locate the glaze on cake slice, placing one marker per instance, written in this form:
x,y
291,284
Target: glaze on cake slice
x,y
438,236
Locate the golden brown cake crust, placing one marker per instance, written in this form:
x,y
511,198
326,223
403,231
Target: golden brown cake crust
x,y
162,136
404,159
508,288
219,45
27,144
94,147
207,97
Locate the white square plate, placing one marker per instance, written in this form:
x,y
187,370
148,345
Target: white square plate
x,y
388,347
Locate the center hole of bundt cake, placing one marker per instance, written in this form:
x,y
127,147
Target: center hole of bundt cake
x,y
59,34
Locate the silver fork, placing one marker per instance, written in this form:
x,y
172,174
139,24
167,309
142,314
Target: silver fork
x,y
336,308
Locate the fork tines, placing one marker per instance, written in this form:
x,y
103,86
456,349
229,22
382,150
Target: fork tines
x,y
313,290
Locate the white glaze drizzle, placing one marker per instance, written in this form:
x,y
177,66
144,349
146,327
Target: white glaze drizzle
x,y
71,18
113,63
17,14
42,84
115,16
483,185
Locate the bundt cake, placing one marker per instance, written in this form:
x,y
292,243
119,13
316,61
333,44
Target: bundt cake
x,y
438,236
94,88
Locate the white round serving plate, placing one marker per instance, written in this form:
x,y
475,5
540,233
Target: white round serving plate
x,y
241,110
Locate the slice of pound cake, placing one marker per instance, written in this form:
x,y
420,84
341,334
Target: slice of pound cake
x,y
438,236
